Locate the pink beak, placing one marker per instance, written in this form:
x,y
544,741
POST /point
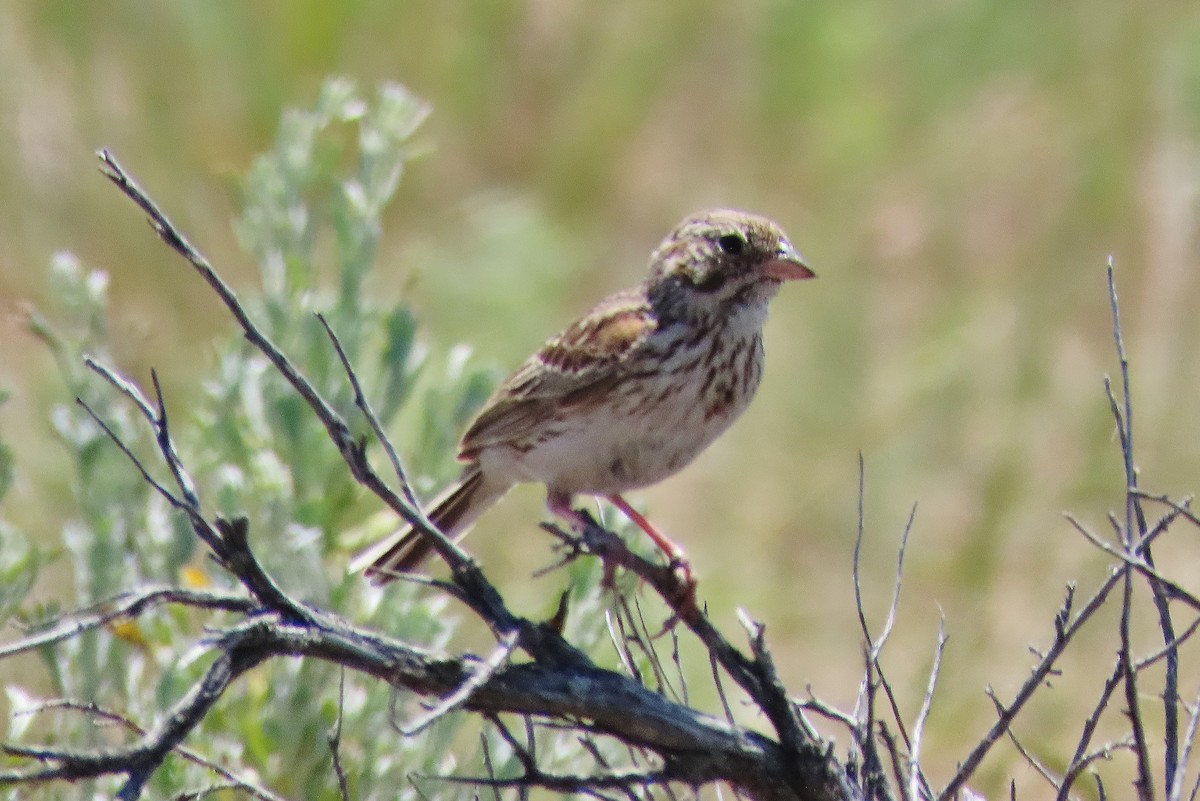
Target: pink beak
x,y
787,265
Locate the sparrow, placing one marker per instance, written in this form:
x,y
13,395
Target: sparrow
x,y
628,394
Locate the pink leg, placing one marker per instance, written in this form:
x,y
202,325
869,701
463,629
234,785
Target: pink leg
x,y
686,609
673,552
560,506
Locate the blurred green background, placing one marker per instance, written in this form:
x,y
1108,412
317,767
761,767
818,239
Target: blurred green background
x,y
957,174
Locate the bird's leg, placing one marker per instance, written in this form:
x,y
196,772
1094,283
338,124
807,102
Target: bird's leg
x,y
559,505
675,555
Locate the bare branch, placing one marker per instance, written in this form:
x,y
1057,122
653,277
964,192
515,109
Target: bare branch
x,y
92,710
339,432
1134,515
204,531
561,683
1079,761
360,400
1140,565
334,739
138,761
1182,509
1175,791
463,692
1144,783
1150,659
1029,758
873,649
571,784
920,788
1063,637
126,605
829,712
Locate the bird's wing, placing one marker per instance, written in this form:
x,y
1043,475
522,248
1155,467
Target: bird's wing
x,y
573,369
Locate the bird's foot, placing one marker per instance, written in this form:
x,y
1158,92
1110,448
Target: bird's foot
x,y
681,597
683,605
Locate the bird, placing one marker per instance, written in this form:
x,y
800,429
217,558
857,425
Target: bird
x,y
628,394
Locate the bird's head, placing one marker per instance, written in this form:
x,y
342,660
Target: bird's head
x,y
723,256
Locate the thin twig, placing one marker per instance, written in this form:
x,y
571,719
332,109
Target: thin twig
x,y
203,530
138,761
829,712
1144,783
868,687
162,435
621,644
1063,636
1078,761
894,607
126,605
1150,659
567,784
488,764
462,693
1176,590
334,739
1033,761
897,761
523,755
360,400
92,710
873,648
1175,791
336,427
855,561
1181,509
920,787
1134,514
156,418
645,641
720,687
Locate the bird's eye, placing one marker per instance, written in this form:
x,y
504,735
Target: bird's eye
x,y
732,244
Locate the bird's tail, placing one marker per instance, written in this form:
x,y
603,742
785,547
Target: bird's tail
x,y
453,512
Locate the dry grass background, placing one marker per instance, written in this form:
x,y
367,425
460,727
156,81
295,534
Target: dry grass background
x,y
956,173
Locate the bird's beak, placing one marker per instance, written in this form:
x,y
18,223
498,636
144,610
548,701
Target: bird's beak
x,y
787,265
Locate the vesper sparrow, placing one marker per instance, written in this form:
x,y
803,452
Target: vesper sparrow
x,y
628,394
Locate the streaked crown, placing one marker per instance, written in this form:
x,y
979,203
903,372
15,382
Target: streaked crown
x,y
719,252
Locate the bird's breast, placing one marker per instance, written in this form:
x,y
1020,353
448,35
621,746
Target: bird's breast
x,y
681,391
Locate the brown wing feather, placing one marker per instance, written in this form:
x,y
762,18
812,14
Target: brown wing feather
x,y
572,368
